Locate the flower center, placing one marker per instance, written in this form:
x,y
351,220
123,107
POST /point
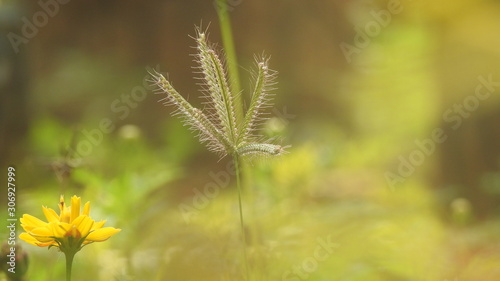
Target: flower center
x,y
73,232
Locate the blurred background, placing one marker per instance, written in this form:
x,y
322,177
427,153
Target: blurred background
x,y
392,109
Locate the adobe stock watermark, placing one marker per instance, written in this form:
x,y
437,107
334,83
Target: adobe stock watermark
x,y
283,115
303,270
202,197
121,108
454,116
11,219
39,19
379,20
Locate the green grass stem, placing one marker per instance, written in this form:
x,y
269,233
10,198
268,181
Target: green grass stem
x,y
230,53
242,223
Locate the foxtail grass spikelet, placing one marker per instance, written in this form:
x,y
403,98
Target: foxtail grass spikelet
x,y
261,99
220,128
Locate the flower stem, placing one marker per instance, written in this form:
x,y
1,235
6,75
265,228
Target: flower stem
x,y
232,63
242,224
69,263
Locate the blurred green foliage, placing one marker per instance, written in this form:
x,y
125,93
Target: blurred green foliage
x,y
348,124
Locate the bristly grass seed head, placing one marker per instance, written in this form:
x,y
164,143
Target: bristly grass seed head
x,y
220,128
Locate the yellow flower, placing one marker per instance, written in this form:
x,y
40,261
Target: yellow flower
x,y
70,230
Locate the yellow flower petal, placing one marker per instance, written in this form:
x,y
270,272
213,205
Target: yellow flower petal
x,y
60,229
65,214
50,214
86,209
42,234
83,224
61,203
53,243
102,234
98,225
33,241
28,238
75,207
28,222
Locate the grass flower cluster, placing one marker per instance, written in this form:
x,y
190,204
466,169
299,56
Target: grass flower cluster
x,y
218,126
